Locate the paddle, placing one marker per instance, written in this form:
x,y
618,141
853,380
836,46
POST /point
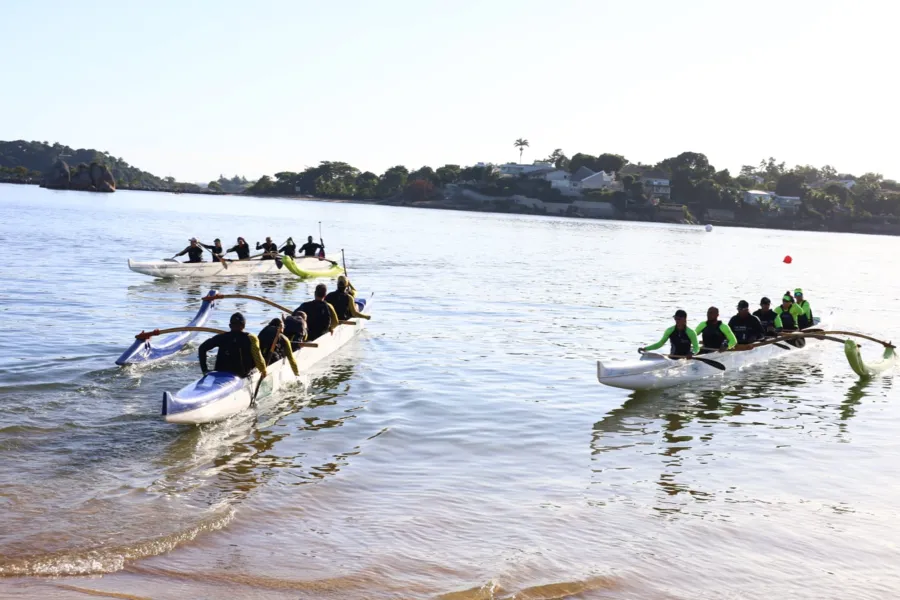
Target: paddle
x,y
713,363
218,257
265,360
344,261
321,243
280,307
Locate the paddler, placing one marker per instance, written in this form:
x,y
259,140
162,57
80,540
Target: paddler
x,y
320,316
682,339
242,248
216,248
787,313
806,318
746,327
766,315
289,248
275,345
295,327
310,247
238,350
194,252
269,248
716,334
344,302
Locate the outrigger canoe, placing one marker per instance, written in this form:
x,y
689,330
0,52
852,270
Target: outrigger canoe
x,y
217,395
307,267
653,372
147,350
169,269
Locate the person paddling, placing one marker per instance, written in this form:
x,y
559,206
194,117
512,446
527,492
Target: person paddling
x,y
716,334
746,327
310,247
682,339
289,248
766,315
242,248
194,252
295,328
216,248
269,248
787,313
320,316
805,319
275,345
344,302
238,350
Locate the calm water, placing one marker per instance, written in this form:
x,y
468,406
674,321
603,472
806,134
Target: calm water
x,y
461,448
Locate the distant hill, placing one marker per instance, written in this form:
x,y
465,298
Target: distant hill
x,y
40,156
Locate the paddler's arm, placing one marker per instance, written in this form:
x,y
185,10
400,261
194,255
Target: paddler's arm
x,y
183,252
354,312
796,310
663,340
257,355
289,353
777,322
729,334
695,343
205,347
334,318
699,329
232,249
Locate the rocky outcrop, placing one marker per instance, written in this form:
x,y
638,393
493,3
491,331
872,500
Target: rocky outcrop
x,y
57,177
87,178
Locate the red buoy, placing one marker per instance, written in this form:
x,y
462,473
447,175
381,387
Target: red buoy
x,y
788,260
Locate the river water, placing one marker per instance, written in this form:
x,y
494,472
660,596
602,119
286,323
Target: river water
x,y
461,447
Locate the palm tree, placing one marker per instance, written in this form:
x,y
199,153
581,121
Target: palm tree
x,y
521,144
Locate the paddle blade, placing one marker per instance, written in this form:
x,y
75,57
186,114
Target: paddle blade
x,y
713,363
278,262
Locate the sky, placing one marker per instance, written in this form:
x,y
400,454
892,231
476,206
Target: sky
x,y
195,89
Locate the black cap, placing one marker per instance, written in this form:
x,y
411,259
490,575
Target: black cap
x,y
275,322
680,314
765,301
743,304
237,318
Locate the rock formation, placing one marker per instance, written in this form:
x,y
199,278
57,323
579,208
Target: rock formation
x,y
87,178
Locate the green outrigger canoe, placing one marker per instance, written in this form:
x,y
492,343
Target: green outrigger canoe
x,y
308,267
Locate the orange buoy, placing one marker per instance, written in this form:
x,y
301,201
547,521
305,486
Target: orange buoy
x,y
788,260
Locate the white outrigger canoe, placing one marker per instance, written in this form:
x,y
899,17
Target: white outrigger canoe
x,y
169,269
654,372
217,396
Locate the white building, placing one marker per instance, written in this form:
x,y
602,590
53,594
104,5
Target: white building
x,y
514,170
599,181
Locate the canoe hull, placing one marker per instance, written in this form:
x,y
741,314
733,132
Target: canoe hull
x,y
217,396
307,267
171,270
142,351
653,372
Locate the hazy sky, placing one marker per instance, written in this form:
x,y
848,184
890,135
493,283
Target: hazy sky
x,y
194,89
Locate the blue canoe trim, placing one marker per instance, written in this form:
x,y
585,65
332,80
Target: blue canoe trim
x,y
210,388
142,351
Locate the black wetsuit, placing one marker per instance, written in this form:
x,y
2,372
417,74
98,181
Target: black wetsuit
x,y
243,250
341,301
309,248
235,355
195,254
289,250
746,329
295,330
265,343
680,344
318,318
217,249
713,336
766,318
270,248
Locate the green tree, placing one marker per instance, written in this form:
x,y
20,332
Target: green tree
x,y
448,174
521,144
611,163
582,160
723,177
790,184
418,190
215,186
393,181
558,159
425,173
367,185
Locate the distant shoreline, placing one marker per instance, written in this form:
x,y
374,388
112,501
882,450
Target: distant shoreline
x,y
846,226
